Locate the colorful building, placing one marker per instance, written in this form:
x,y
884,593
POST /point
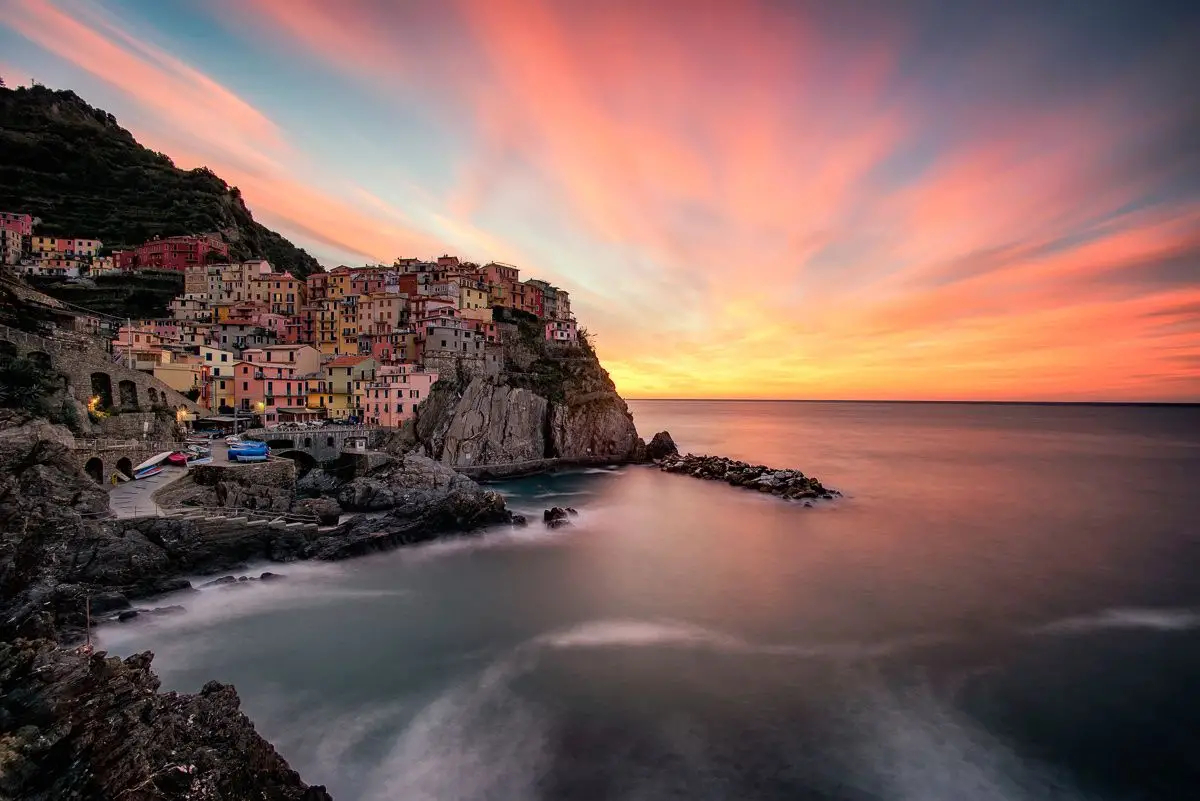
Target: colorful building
x,y
20,224
562,331
394,394
344,379
175,253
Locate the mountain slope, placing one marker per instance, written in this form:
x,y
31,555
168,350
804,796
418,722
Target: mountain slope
x,y
85,176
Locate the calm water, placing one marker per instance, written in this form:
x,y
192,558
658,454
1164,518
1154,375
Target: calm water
x,y
1006,605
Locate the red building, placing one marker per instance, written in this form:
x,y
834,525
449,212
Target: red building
x,y
175,253
22,224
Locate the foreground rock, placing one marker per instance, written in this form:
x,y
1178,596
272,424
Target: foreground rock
x,y
96,727
789,484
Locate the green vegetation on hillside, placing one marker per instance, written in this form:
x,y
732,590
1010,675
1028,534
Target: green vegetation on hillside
x,y
136,295
85,176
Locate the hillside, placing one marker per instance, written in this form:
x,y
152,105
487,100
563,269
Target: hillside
x,y
84,175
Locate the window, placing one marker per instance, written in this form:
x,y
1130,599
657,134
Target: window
x,y
222,383
245,386
208,357
224,357
270,387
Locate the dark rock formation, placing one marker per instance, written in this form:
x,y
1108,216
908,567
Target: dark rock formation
x,y
556,517
422,499
326,510
789,484
661,446
96,727
266,486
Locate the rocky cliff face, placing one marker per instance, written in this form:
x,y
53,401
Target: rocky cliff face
x,y
83,726
550,402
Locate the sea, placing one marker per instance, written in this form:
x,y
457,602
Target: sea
x,y
1004,605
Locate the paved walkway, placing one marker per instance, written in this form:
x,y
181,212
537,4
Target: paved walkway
x,y
133,498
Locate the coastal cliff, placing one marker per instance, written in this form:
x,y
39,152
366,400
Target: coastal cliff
x,y
549,404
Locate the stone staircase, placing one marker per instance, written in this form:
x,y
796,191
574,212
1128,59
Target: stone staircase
x,y
218,521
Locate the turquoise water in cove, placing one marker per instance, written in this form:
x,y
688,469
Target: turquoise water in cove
x,y
1005,605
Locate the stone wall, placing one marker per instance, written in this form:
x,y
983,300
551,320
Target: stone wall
x,y
269,485
90,372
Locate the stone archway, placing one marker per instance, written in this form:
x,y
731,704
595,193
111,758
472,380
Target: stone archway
x,y
125,466
304,461
280,443
40,359
102,389
128,394
95,469
308,442
152,393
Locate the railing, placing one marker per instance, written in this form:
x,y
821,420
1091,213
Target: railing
x,y
240,511
341,431
112,444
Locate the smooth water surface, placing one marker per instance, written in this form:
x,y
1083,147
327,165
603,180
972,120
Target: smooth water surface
x,y
1005,605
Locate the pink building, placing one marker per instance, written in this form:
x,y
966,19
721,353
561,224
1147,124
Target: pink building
x,y
393,396
562,331
21,224
275,392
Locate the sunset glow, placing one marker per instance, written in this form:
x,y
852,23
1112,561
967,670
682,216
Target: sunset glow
x,y
745,199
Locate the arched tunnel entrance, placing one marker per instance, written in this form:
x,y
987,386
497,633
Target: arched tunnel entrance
x,y
125,466
280,444
304,461
102,389
95,469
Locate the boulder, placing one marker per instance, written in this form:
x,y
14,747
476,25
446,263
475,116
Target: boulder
x,y
661,446
326,510
554,514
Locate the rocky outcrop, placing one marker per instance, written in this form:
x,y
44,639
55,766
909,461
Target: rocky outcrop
x,y
267,486
661,446
789,484
574,413
326,510
95,727
90,727
423,499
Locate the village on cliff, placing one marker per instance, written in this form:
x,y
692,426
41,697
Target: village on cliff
x,y
358,345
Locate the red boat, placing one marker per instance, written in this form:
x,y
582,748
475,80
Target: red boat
x,y
177,458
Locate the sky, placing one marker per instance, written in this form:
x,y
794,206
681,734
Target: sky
x,y
754,199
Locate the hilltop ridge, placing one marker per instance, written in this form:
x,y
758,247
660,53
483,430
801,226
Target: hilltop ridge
x,y
75,167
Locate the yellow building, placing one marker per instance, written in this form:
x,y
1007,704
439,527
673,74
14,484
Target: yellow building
x,y
344,378
473,297
316,388
43,244
325,327
339,282
347,326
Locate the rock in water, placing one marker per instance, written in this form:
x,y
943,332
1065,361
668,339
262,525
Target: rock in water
x,y
789,484
661,446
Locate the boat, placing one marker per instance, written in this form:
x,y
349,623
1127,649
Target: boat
x,y
205,459
151,462
149,471
247,457
249,446
177,458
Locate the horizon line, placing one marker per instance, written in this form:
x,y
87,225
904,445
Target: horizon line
x,y
903,400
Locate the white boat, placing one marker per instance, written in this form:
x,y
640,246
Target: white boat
x,y
150,471
247,457
151,462
200,460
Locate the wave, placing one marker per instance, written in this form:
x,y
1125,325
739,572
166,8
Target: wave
x,y
671,633
561,494
1162,619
